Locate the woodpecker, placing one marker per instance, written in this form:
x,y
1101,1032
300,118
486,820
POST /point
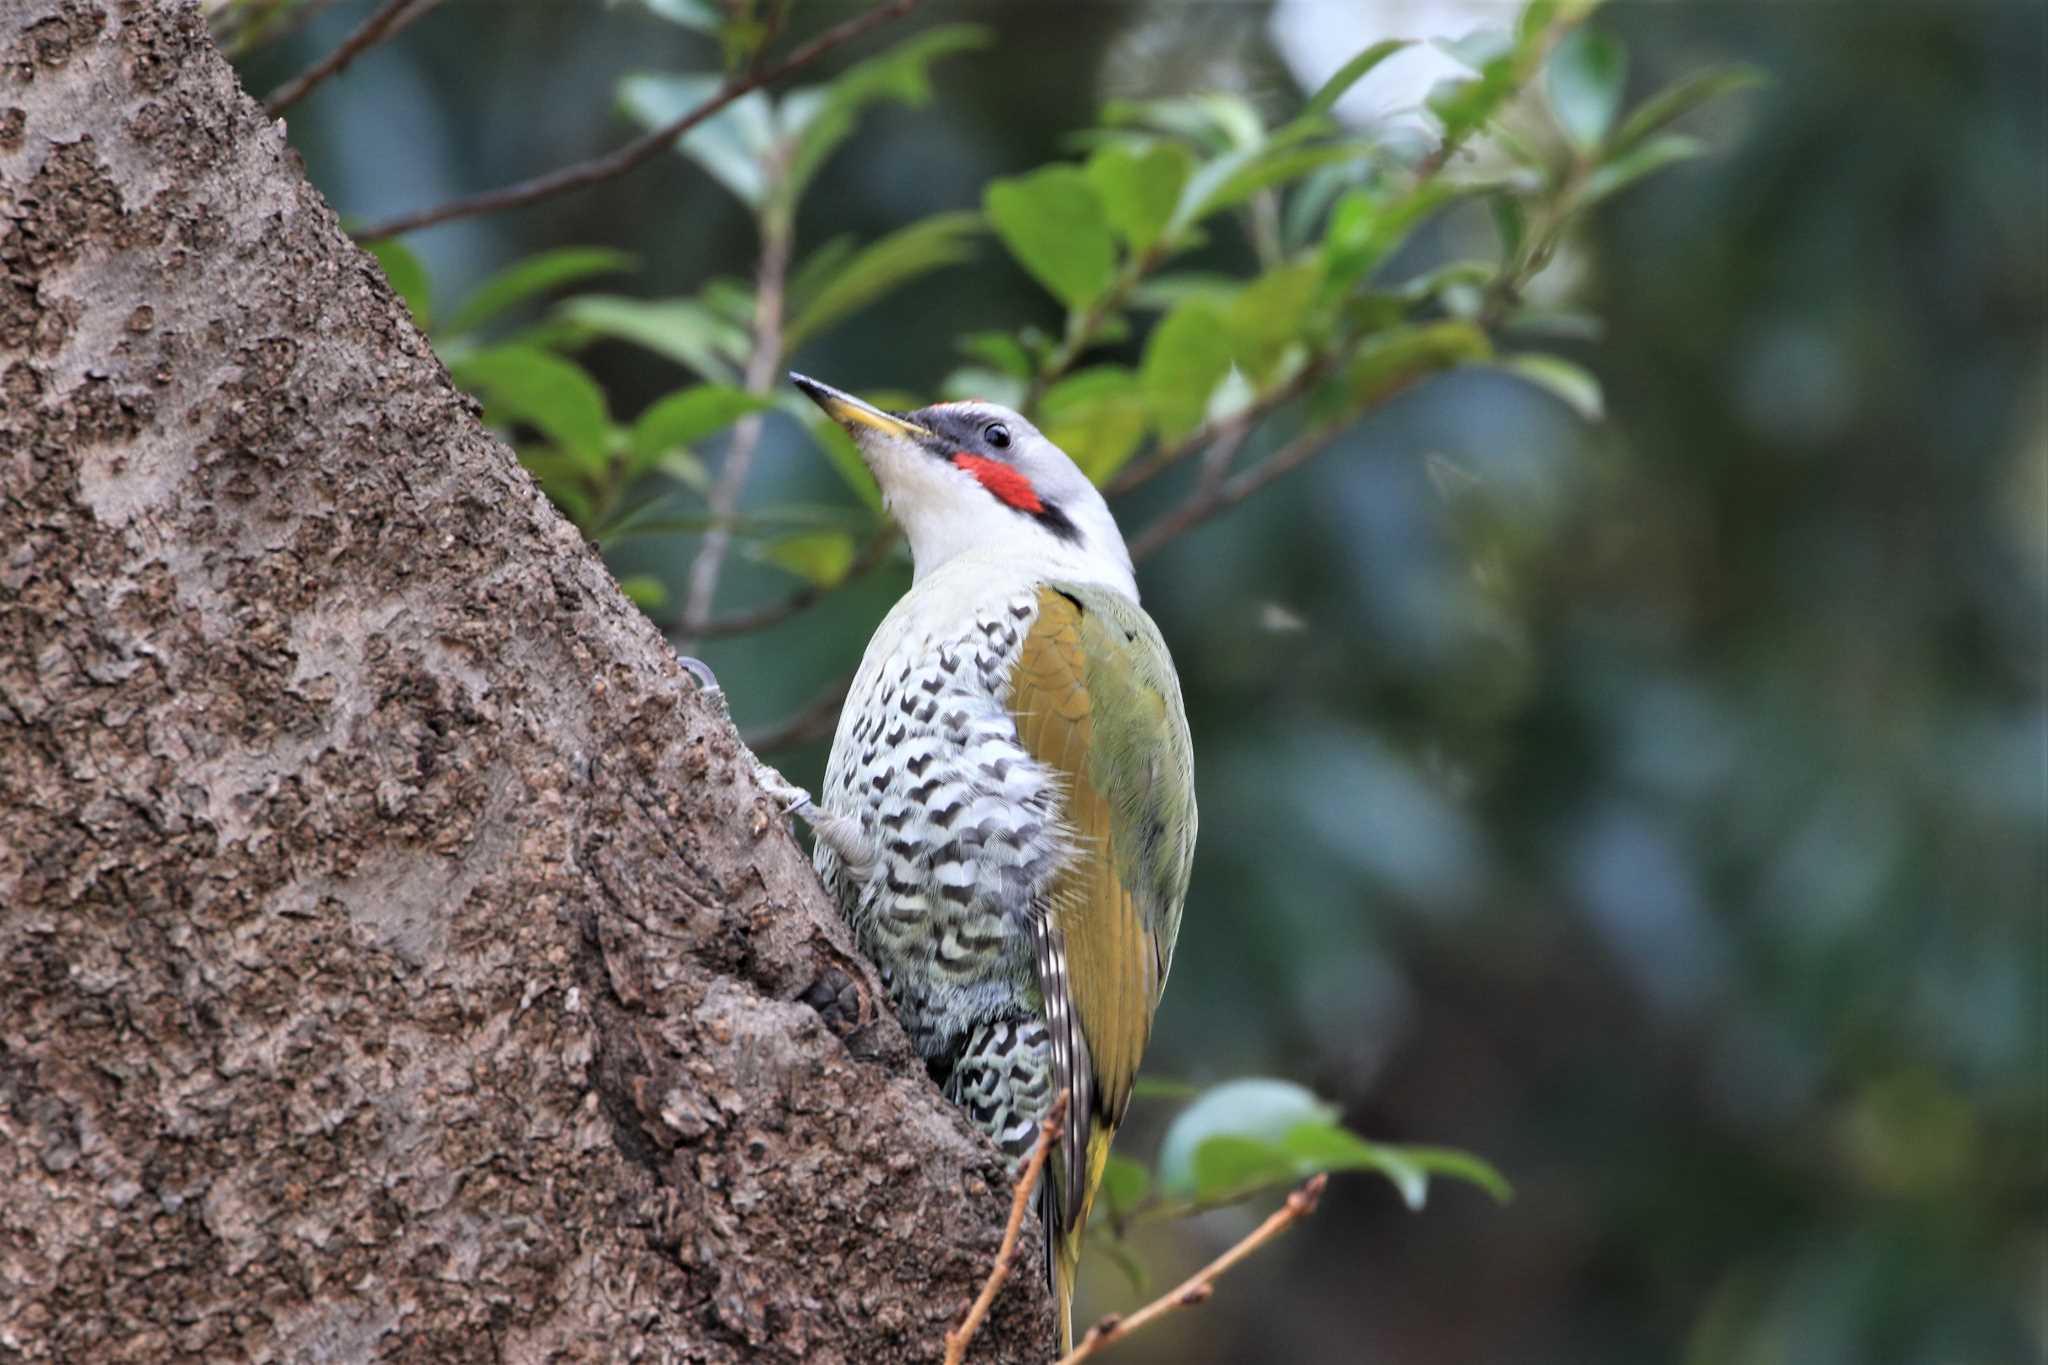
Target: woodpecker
x,y
1008,815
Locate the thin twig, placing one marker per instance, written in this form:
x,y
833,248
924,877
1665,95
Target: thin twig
x,y
764,364
1048,1134
391,18
818,718
622,159
1166,457
1081,326
1199,1286
775,613
1207,501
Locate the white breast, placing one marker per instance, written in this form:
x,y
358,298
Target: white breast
x,y
968,826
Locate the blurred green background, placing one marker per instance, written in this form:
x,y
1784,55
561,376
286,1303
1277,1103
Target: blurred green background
x,y
1655,808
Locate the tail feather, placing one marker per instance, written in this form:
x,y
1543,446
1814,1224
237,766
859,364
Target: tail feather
x,y
1062,1239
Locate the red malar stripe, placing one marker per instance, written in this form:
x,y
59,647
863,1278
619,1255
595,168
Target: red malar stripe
x,y
1002,480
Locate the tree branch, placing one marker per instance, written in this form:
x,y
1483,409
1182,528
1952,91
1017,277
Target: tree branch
x,y
1237,424
1027,1182
392,18
1213,497
1081,326
1198,1287
763,365
623,159
775,613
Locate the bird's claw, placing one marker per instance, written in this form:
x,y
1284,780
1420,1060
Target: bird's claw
x,y
707,681
794,799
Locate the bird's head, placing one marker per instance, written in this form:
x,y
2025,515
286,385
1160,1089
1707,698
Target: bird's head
x,y
976,477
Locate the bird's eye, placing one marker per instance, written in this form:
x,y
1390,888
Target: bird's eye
x,y
997,435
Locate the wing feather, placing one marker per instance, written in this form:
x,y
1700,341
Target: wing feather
x,y
1094,700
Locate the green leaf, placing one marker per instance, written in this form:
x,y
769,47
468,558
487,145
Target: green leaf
x,y
1511,222
659,518
730,299
1535,17
1228,1167
683,330
1654,154
815,272
552,467
1397,358
1309,204
1448,278
1186,356
1125,1183
1477,50
1457,1165
819,557
838,449
406,276
1334,89
1584,81
903,255
1140,187
682,419
817,121
1576,386
1217,121
978,383
1328,1147
573,501
644,591
1122,1257
1270,315
1054,223
1000,350
1313,1147
1098,416
732,145
546,392
1163,1088
1161,293
1257,1110
1230,180
536,275
1675,101
1365,229
702,15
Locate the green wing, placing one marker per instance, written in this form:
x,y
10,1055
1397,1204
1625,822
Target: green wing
x,y
1095,698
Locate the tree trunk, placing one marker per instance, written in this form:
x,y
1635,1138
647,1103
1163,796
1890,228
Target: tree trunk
x,y
397,960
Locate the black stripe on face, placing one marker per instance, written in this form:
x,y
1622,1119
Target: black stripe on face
x,y
1056,521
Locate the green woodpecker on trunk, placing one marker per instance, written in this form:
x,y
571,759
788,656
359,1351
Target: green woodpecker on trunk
x,y
1008,817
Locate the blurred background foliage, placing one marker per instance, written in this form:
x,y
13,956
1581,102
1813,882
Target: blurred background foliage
x,y
1647,794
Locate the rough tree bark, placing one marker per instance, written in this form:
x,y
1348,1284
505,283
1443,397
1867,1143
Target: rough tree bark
x,y
397,961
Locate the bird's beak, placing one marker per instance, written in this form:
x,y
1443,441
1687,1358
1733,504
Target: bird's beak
x,y
853,414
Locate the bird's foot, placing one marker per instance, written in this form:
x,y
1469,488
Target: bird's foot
x,y
843,834
793,799
707,682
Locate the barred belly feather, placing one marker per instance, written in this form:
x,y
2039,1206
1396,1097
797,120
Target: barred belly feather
x,y
967,827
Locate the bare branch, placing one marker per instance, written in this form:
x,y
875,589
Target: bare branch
x,y
392,18
818,718
1212,497
1081,326
1199,1286
775,613
623,159
1027,1182
763,367
1238,424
